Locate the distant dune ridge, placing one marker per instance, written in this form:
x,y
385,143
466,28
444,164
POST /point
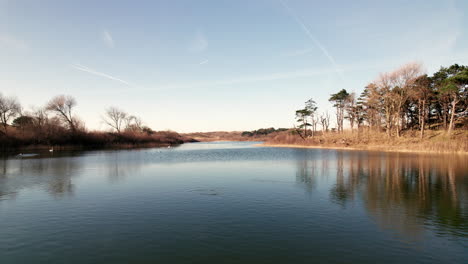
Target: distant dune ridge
x,y
261,134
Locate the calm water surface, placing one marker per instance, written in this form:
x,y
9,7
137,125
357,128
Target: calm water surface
x,y
234,203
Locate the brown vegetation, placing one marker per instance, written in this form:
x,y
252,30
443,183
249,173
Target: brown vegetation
x,y
436,141
401,110
56,125
88,139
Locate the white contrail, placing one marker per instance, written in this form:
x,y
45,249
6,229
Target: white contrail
x,y
248,79
312,37
239,80
88,70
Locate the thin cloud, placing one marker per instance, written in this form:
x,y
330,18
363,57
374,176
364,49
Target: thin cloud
x,y
311,36
199,43
203,62
107,38
10,42
91,71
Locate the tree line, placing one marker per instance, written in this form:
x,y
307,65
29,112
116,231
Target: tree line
x,y
57,123
60,112
262,132
403,99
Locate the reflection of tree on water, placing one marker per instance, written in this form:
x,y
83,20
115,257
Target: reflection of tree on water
x,y
424,189
309,167
390,195
3,168
347,180
54,175
403,192
306,173
118,165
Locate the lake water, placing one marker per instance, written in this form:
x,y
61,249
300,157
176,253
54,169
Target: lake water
x,y
233,202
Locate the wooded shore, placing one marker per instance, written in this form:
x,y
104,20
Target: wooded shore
x,y
434,141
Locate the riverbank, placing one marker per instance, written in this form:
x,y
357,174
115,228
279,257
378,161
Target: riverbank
x,y
361,148
434,142
91,140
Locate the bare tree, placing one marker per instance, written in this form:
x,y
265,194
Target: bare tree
x,y
62,106
133,123
403,80
9,108
115,118
40,116
325,121
315,121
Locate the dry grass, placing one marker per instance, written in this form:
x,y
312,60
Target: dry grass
x,y
434,141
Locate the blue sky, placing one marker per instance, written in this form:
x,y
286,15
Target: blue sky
x,y
216,65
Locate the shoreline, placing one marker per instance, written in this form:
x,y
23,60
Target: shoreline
x,y
121,146
380,149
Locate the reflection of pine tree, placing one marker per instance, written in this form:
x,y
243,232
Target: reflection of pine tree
x,y
404,192
339,192
347,178
307,172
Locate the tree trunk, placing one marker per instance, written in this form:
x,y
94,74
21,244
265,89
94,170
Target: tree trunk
x,y
342,118
305,128
454,104
338,119
445,115
399,118
422,115
419,112
398,124
388,121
